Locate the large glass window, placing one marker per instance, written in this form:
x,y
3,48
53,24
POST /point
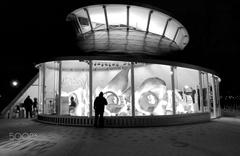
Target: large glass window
x,y
51,87
75,88
97,17
138,17
40,89
152,88
83,20
205,91
152,83
187,91
113,78
157,23
117,15
212,96
218,106
171,29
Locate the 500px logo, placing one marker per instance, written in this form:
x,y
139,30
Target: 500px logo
x,y
20,136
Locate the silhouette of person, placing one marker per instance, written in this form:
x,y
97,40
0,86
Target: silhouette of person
x,y
28,106
73,103
72,106
99,104
35,109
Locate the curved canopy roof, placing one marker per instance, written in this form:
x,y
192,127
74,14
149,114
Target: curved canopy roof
x,y
117,18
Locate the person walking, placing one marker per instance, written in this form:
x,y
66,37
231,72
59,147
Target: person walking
x,y
99,104
28,106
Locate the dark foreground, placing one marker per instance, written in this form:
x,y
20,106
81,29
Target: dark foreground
x,y
28,137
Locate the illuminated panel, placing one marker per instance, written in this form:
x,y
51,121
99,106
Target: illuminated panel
x,y
138,17
97,16
157,23
152,88
113,78
75,83
180,37
171,29
117,14
51,84
187,96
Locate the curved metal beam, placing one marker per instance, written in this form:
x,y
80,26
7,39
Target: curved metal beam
x,y
89,19
149,19
176,33
165,28
128,7
106,18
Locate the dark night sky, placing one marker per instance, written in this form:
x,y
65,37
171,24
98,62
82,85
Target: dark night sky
x,y
36,30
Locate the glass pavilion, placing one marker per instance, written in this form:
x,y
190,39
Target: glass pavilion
x,y
108,35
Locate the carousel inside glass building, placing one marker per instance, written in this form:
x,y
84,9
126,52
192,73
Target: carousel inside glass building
x,y
118,45
151,86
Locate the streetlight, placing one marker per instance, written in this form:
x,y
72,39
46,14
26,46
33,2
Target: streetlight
x,y
14,83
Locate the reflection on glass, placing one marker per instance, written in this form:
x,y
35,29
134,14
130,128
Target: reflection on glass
x,y
51,87
83,19
40,89
114,80
97,16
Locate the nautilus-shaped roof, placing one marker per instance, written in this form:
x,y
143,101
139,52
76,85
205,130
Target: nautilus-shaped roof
x,y
127,28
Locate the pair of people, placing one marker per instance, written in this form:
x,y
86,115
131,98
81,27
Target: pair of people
x,y
99,104
29,104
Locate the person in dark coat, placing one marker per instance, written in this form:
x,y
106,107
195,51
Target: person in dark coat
x,y
28,106
99,104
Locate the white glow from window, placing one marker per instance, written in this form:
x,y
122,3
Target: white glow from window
x,y
158,22
97,16
138,17
117,14
179,37
171,29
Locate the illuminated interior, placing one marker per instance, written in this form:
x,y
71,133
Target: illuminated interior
x,y
150,86
129,17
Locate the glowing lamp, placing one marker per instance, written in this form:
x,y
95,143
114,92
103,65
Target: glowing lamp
x,y
14,83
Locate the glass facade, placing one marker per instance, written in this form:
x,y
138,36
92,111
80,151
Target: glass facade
x,y
51,87
120,16
74,84
152,89
131,88
187,91
113,78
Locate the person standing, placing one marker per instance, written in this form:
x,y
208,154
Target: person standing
x,y
28,106
99,104
72,106
35,106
